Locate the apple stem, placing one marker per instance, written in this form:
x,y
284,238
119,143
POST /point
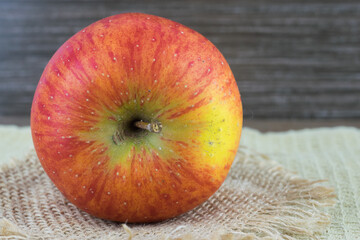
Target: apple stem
x,y
121,134
154,127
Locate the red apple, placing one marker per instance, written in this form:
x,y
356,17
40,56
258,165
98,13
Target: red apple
x,y
137,118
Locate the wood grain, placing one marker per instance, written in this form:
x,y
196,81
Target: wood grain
x,y
292,59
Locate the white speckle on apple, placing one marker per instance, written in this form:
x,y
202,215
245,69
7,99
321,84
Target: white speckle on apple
x,y
121,93
43,105
185,86
160,148
177,174
58,152
108,193
92,113
101,35
88,91
84,187
125,203
139,184
70,156
75,198
87,99
192,105
209,70
175,55
179,165
117,173
156,170
78,49
99,163
68,119
126,93
94,49
62,137
83,30
67,46
173,185
137,45
51,97
177,83
155,81
142,101
171,150
131,69
58,74
114,58
103,74
123,177
153,39
177,202
110,21
66,94
182,32
195,93
76,175
108,75
48,117
53,172
134,100
96,66
148,99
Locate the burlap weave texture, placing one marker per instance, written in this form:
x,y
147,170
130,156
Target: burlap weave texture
x,y
259,199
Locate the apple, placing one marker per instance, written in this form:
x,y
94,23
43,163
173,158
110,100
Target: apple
x,y
137,118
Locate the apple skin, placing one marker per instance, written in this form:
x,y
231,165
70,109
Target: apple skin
x,y
141,66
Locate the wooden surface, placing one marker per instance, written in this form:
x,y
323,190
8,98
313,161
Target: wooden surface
x,y
264,125
292,59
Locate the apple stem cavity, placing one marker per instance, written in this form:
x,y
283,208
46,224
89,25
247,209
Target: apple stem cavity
x,y
123,132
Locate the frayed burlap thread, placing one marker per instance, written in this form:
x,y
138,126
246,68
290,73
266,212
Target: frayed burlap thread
x,y
258,200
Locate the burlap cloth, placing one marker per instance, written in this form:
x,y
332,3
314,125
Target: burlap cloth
x,y
259,199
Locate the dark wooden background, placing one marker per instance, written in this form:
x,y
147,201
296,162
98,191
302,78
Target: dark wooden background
x,y
292,59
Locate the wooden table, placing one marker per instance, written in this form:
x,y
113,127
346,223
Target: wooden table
x,y
291,58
